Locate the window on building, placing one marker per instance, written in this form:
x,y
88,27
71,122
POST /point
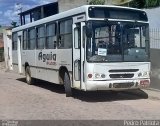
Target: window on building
x,y
31,38
40,37
24,40
14,42
65,34
27,18
51,36
36,15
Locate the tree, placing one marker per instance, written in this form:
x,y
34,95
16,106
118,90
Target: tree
x,y
97,2
138,3
14,24
144,3
152,3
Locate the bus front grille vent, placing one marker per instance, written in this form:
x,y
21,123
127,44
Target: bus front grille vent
x,y
123,70
121,75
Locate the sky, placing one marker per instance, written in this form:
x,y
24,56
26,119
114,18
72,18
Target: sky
x,y
9,9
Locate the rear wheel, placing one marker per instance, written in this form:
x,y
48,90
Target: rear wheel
x,y
67,85
29,79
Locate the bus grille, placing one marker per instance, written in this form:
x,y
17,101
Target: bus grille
x,y
123,70
123,85
121,75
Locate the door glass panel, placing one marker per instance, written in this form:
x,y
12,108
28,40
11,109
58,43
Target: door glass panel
x,y
77,61
77,38
77,70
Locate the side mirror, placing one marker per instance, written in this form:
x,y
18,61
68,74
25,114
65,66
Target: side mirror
x,y
89,30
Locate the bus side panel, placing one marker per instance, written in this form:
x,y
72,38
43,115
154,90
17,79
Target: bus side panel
x,y
52,76
51,66
28,56
46,65
15,60
64,58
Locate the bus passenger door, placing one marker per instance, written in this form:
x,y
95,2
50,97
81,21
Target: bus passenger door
x,y
19,51
78,55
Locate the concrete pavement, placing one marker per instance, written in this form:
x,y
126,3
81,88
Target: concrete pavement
x,y
46,101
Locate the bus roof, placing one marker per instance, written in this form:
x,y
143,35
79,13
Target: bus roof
x,y
68,13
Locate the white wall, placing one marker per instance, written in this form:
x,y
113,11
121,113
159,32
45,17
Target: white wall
x,y
69,4
7,49
154,21
154,17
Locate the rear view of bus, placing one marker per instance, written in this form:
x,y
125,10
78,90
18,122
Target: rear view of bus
x,y
117,49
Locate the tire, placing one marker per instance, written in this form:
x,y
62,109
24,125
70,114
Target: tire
x,y
67,85
29,79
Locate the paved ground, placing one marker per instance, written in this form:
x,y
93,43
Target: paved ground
x,y
2,66
46,101
155,67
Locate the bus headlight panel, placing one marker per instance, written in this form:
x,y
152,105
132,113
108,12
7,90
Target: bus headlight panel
x,y
143,74
140,74
103,75
98,76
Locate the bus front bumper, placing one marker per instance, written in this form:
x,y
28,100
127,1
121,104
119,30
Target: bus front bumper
x,y
117,84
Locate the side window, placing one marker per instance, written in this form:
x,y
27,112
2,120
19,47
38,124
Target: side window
x,y
31,39
51,36
14,41
40,37
65,34
27,18
24,40
77,36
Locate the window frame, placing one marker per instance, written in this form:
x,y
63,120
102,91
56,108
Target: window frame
x,y
28,38
53,35
25,40
41,37
60,35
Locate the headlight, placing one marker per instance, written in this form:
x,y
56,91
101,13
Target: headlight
x,y
143,74
140,74
103,75
97,75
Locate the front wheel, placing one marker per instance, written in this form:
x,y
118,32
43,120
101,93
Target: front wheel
x,y
29,79
67,85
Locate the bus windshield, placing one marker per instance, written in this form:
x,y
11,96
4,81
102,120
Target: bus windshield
x,y
117,41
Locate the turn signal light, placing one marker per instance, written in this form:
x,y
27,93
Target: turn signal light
x,y
144,83
90,75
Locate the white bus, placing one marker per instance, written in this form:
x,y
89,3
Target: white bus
x,y
92,47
